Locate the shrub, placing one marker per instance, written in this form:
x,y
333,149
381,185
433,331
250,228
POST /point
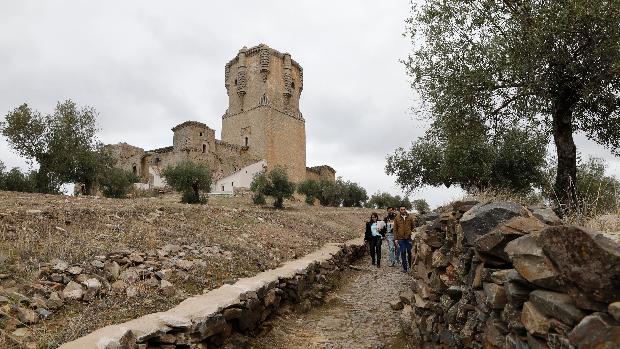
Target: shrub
x,y
15,180
275,184
421,206
189,178
310,188
385,200
116,182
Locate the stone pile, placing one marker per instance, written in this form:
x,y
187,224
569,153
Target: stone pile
x,y
223,316
121,273
499,275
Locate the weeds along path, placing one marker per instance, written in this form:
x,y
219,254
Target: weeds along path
x,y
355,315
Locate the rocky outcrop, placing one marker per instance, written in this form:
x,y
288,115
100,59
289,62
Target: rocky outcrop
x,y
500,275
212,319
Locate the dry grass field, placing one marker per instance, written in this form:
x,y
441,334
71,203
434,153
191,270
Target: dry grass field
x,y
194,247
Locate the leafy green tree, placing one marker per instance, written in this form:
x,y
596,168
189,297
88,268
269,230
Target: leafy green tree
x,y
258,185
64,144
421,206
472,158
276,184
352,194
16,180
189,178
328,193
384,200
310,188
116,182
547,64
598,193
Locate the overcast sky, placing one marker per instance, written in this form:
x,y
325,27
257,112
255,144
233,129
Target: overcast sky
x,y
149,65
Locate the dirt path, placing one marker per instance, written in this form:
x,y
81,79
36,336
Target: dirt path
x,y
356,315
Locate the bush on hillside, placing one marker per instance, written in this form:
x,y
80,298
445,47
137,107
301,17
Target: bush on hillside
x,y
189,178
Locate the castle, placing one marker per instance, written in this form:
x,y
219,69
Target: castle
x,y
261,128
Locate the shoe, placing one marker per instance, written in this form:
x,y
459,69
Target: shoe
x,y
391,264
405,271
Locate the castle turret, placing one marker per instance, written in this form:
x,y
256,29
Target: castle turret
x,y
264,87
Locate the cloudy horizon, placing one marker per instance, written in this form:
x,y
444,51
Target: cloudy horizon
x,y
146,66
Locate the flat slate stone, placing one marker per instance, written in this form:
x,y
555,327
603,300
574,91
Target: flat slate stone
x,y
557,305
482,218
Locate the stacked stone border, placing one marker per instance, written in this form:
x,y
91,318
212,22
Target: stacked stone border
x,y
500,275
209,320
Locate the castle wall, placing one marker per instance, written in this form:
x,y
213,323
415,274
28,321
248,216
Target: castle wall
x,y
128,157
319,173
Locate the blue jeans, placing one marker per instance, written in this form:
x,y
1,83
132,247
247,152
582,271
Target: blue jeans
x,y
405,253
392,253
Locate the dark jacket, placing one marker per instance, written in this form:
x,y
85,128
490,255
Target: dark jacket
x,y
368,233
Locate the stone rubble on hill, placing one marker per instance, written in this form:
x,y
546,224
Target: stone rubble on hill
x,y
499,275
121,272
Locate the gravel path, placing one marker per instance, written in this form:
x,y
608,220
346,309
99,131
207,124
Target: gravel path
x,y
356,315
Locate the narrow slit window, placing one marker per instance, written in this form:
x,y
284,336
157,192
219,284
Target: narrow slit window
x,y
204,148
246,141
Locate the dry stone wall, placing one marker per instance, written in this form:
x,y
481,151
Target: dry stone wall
x,y
499,275
222,316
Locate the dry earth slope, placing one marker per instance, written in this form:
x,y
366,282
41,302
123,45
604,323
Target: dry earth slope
x,y
69,265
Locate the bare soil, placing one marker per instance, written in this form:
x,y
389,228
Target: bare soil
x,y
229,236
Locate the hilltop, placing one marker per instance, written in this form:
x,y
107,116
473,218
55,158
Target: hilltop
x,y
69,265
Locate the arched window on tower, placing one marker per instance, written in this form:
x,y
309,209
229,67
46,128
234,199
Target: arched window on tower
x,y
246,141
134,169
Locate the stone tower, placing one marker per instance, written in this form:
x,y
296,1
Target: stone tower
x,y
263,87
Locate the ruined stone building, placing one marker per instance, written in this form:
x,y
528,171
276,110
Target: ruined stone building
x,y
262,128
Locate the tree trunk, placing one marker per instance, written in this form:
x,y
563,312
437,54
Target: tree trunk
x,y
89,187
279,203
196,191
565,181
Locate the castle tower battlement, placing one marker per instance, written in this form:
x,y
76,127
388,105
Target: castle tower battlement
x,y
264,87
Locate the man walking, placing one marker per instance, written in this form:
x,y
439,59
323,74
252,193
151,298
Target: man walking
x,y
389,235
404,224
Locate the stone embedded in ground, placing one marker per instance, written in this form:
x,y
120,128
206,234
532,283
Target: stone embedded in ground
x,y
614,310
118,286
59,265
184,264
129,276
167,288
136,258
396,305
22,333
92,287
97,263
112,269
534,321
597,330
75,270
532,264
73,291
557,305
495,295
482,218
27,316
131,291
54,301
593,268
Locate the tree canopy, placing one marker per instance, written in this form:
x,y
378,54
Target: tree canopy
x,y
63,144
189,178
548,65
275,183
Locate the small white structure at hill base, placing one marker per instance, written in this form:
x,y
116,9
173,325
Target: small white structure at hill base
x,y
238,180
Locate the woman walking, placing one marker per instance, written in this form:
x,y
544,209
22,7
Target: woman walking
x,y
373,238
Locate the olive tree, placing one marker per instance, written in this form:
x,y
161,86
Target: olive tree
x,y
553,65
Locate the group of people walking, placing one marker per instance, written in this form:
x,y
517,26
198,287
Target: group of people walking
x,y
396,229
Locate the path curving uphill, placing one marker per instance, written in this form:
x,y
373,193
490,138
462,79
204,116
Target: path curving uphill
x,y
355,315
